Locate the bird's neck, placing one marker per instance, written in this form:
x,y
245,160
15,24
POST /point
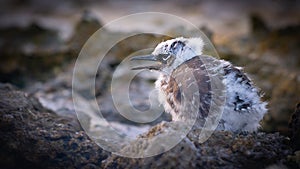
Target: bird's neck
x,y
177,62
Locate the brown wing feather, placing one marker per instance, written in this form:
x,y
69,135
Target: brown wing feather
x,y
200,77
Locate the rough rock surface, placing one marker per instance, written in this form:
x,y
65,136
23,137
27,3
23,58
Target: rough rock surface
x,y
34,137
295,128
221,150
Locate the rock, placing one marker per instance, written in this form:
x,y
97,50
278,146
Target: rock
x,y
282,100
294,126
88,24
221,150
295,159
32,50
258,27
209,33
37,53
34,137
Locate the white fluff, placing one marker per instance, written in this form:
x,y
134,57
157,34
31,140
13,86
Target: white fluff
x,y
233,119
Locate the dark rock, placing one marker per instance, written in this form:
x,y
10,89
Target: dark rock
x,y
294,126
207,32
37,53
221,150
282,100
258,27
84,29
31,51
34,137
295,159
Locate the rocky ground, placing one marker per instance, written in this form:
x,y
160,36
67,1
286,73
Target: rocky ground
x,y
38,122
36,137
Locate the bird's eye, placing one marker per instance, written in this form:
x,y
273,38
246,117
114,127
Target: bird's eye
x,y
165,56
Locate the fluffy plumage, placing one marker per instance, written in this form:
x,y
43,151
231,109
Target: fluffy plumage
x,y
183,65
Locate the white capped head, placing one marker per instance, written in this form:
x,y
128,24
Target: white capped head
x,y
172,53
180,47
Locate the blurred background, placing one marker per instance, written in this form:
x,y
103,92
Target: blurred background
x,y
40,41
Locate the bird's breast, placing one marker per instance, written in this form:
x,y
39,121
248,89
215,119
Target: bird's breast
x,y
187,85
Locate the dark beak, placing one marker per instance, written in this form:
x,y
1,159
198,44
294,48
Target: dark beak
x,y
147,58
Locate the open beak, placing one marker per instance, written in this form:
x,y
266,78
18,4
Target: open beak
x,y
147,58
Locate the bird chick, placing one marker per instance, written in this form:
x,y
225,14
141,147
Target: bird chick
x,y
182,64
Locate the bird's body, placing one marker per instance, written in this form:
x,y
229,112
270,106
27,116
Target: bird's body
x,y
186,72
